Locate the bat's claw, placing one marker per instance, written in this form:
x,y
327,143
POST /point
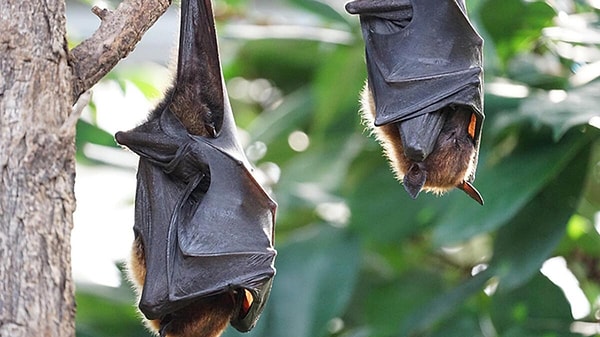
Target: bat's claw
x,y
471,191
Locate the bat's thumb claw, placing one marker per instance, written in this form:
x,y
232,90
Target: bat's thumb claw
x,y
376,6
120,137
471,191
351,7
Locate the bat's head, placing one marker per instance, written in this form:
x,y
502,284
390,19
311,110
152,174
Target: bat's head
x,y
439,154
434,152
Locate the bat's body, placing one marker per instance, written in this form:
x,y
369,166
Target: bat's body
x,y
203,252
423,97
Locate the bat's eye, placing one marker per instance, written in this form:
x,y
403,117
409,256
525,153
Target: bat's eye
x,y
472,125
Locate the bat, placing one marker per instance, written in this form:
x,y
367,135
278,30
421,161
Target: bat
x,y
203,251
423,97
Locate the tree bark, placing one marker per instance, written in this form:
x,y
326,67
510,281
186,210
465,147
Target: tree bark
x,y
117,36
37,171
37,151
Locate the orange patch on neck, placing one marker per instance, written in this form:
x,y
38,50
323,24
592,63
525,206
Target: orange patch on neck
x,y
472,125
248,299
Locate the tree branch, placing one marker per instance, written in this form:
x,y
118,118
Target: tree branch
x,y
119,32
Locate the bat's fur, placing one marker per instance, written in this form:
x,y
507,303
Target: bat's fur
x,y
206,317
185,104
452,161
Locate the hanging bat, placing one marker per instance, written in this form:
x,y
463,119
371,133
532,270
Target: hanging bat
x,y
203,252
423,95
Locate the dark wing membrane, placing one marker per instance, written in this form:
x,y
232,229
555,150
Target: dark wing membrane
x,y
432,62
198,80
206,224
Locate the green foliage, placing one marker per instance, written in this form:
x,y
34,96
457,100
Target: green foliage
x,y
357,256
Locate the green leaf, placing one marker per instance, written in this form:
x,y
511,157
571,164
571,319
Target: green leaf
x,y
90,133
290,64
562,110
507,186
389,303
104,311
528,239
426,316
382,211
276,125
321,9
514,25
537,308
336,88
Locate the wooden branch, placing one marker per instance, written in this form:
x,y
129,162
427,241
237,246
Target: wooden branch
x,y
119,32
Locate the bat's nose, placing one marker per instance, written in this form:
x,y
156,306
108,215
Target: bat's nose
x,y
414,180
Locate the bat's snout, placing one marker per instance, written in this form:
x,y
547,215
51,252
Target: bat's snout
x,y
414,180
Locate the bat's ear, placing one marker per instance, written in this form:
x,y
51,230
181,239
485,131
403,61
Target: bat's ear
x,y
414,180
471,191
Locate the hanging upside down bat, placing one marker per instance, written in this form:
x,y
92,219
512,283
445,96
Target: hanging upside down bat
x,y
203,253
423,95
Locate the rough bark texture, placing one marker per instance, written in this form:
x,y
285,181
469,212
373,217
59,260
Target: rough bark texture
x,y
37,171
39,81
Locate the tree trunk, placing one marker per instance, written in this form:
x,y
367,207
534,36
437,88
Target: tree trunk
x,y
37,171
